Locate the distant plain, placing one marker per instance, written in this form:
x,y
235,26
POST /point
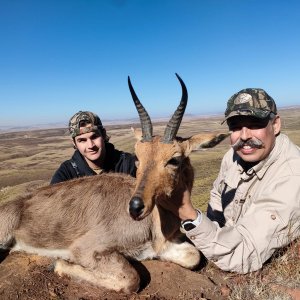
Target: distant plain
x,y
28,159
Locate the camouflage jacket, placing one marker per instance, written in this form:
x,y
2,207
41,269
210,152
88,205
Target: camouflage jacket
x,y
253,213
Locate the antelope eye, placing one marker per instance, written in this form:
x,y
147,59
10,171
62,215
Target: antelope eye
x,y
174,161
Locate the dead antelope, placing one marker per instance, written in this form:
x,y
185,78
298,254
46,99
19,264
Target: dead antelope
x,y
93,224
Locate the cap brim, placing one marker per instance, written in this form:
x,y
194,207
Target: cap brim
x,y
260,114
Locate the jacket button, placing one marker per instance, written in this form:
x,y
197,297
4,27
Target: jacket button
x,y
273,217
236,201
192,237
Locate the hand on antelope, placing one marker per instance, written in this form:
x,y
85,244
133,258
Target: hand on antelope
x,y
93,224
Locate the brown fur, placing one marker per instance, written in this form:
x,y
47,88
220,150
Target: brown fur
x,y
86,221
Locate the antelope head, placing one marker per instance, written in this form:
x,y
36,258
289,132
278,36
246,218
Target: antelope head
x,y
164,171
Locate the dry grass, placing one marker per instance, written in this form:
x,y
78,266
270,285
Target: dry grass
x,y
29,159
10,192
278,279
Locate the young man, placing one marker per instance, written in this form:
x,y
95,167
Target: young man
x,y
93,154
254,207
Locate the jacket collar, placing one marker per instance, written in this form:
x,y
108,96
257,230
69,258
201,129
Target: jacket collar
x,y
261,168
110,159
82,165
237,172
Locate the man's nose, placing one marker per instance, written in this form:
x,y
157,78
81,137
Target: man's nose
x,y
90,143
246,133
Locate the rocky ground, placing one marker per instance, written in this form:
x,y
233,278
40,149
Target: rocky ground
x,y
24,276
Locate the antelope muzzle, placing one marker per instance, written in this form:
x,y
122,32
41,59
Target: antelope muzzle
x,y
136,208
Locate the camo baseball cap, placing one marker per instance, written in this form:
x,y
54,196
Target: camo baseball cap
x,y
84,122
250,102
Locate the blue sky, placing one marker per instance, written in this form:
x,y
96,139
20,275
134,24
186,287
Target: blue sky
x,y
59,56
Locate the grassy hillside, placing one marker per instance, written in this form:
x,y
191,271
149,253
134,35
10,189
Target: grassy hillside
x,y
29,158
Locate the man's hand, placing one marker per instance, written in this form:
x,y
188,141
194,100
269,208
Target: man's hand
x,y
187,210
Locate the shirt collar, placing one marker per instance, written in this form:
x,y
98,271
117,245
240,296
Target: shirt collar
x,y
237,172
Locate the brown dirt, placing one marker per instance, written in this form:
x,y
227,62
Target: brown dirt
x,y
24,276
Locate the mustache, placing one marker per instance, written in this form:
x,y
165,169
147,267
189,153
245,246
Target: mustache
x,y
254,143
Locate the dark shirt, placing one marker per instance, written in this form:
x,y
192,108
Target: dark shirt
x,y
115,161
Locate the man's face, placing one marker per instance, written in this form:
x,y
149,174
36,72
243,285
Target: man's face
x,y
90,145
253,139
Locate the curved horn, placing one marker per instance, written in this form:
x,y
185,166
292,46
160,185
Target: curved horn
x,y
174,123
144,117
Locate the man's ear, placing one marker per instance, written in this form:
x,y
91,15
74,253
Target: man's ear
x,y
74,144
137,133
200,141
276,125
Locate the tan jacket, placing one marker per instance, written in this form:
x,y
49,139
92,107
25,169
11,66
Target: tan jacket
x,y
251,214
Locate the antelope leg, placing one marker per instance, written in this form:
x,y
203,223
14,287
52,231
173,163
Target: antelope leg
x,y
112,271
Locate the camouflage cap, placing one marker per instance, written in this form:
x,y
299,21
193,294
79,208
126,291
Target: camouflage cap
x,y
84,122
250,102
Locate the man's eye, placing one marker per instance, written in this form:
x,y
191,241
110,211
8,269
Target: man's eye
x,y
256,126
137,163
234,128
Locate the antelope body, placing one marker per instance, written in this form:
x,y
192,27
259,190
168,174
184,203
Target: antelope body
x,y
94,224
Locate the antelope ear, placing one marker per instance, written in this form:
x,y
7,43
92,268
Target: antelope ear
x,y
137,133
206,140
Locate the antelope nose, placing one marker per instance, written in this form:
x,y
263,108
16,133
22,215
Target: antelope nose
x,y
136,207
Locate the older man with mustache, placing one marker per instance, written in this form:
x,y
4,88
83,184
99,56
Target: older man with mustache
x,y
254,205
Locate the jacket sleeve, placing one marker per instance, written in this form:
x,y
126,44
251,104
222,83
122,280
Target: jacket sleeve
x,y
63,173
270,223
